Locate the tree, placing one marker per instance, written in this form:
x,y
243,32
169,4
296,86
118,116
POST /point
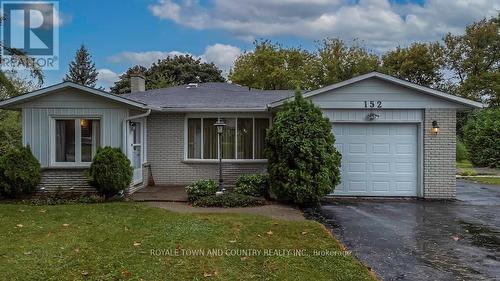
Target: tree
x,y
171,71
303,163
272,67
474,60
420,63
340,61
82,69
122,86
482,135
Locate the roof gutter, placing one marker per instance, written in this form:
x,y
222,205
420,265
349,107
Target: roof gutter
x,y
124,127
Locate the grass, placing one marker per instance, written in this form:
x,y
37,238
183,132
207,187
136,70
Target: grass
x,y
114,241
486,180
464,164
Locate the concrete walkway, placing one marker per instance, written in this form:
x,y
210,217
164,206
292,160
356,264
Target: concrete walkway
x,y
275,211
161,194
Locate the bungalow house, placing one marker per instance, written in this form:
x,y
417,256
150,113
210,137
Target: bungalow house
x,y
396,138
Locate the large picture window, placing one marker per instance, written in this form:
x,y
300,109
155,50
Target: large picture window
x,y
76,140
243,138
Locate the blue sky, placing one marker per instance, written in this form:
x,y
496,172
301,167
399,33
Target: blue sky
x,y
120,34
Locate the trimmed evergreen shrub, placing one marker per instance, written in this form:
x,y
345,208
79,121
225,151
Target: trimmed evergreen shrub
x,y
19,172
253,185
229,200
462,153
200,189
482,136
110,171
303,163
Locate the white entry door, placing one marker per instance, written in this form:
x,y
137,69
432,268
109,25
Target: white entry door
x,y
377,159
135,149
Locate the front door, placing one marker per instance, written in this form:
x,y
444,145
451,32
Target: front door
x,y
135,149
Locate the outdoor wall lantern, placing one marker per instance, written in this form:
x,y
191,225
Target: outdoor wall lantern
x,y
435,127
132,126
220,125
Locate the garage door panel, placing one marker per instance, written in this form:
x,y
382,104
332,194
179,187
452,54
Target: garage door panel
x,y
357,186
377,159
381,186
381,148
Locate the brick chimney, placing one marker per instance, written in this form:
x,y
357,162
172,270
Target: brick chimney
x,y
137,82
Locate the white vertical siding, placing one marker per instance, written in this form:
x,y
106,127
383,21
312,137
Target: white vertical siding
x,y
37,131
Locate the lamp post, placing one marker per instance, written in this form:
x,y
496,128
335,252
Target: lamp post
x,y
220,129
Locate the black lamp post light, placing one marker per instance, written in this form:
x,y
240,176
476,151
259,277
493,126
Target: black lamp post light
x,y
220,125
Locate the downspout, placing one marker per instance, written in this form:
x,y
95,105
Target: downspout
x,y
124,128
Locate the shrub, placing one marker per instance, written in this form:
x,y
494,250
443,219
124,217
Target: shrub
x,y
303,163
462,153
200,189
229,200
19,172
110,171
468,172
253,185
68,198
482,135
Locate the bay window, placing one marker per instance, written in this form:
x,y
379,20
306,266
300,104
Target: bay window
x,y
243,138
76,140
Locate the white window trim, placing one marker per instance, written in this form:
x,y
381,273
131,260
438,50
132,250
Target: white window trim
x,y
78,156
223,116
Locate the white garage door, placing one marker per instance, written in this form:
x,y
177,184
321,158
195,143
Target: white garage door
x,y
377,159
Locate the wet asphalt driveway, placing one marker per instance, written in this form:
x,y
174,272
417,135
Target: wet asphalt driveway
x,y
424,240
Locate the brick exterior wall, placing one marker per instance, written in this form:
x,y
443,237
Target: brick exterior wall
x,y
165,154
67,180
439,154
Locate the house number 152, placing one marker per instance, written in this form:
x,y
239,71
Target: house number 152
x,y
373,104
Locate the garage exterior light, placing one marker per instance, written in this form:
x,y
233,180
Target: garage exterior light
x,y
435,127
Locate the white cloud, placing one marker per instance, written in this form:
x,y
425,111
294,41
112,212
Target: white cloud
x,y
107,77
221,55
380,23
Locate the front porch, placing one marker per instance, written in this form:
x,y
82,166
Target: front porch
x,y
161,194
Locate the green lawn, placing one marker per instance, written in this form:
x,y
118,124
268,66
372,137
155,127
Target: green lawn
x,y
486,180
114,242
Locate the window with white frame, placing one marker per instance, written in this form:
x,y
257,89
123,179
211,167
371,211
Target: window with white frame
x,y
243,138
76,140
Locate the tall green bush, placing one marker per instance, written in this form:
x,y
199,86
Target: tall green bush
x,y
482,136
110,171
303,163
19,172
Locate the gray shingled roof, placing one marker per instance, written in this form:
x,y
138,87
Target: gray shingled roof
x,y
208,95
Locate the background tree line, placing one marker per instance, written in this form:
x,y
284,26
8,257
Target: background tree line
x,y
466,65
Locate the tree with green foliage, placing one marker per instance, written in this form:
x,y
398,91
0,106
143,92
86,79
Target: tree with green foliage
x,y
273,67
340,61
474,59
303,164
122,86
420,63
171,71
10,120
82,69
482,136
